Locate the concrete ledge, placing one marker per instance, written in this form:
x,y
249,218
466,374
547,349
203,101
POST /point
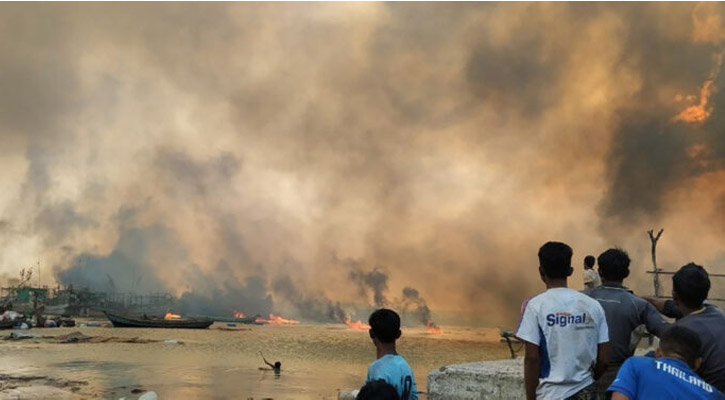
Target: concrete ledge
x,y
500,380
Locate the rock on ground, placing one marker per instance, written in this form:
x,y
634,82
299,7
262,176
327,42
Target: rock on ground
x,y
499,380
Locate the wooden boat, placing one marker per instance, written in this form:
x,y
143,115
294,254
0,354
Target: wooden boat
x,y
144,321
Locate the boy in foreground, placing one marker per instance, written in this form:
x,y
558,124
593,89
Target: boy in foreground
x,y
669,376
378,390
390,366
565,334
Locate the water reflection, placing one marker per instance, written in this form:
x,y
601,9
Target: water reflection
x,y
317,360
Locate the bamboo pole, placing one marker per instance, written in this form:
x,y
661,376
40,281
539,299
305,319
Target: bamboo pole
x,y
654,240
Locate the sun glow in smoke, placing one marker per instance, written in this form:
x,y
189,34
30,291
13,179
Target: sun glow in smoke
x,y
172,316
276,320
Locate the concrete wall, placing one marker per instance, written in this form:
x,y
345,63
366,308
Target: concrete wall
x,y
500,380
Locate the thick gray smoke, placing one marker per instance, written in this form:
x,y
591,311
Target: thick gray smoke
x,y
249,296
375,280
413,303
198,148
653,153
311,306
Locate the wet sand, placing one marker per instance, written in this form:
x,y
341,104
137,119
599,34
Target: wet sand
x,y
317,361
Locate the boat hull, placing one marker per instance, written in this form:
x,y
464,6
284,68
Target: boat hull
x,y
7,324
121,321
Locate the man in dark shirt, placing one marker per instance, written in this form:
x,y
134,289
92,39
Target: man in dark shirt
x,y
690,286
624,311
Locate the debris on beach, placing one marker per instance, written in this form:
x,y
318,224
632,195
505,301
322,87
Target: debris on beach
x,y
149,396
78,337
38,387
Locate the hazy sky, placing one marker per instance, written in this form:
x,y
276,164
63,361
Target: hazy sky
x,y
225,148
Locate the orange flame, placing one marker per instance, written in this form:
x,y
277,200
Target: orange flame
x,y
356,325
277,320
433,329
239,314
171,316
701,111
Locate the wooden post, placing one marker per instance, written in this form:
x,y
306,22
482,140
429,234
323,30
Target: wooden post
x,y
654,240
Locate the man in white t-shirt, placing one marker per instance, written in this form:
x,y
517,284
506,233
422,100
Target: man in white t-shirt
x,y
591,276
566,334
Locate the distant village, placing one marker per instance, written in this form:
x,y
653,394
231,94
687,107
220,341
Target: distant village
x,y
21,297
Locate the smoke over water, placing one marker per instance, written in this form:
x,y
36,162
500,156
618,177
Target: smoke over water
x,y
222,152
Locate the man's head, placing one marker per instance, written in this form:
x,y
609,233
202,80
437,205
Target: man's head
x,y
690,285
589,262
555,260
378,390
277,365
614,265
681,343
384,325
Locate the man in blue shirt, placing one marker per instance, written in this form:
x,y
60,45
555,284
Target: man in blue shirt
x,y
390,366
670,375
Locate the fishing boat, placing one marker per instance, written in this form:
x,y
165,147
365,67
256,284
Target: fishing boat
x,y
7,324
144,321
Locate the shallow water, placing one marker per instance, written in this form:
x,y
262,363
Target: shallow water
x,y
317,360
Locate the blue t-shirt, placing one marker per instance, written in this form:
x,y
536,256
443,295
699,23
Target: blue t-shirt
x,y
662,379
393,368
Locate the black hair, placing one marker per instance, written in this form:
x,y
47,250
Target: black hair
x,y
692,284
614,264
589,261
378,390
277,365
385,325
555,259
681,341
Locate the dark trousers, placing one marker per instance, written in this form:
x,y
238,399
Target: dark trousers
x,y
588,393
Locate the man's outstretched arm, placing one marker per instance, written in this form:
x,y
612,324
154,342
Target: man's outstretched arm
x,y
532,370
619,396
265,360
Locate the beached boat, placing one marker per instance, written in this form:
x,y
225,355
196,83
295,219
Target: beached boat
x,y
7,324
144,321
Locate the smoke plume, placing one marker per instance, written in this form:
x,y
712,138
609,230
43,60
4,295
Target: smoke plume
x,y
376,280
223,151
312,306
412,302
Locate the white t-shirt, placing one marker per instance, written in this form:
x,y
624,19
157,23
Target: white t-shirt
x,y
590,275
567,326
